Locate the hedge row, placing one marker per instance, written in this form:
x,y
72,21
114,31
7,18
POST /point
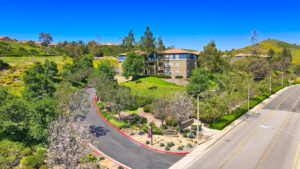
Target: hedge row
x,y
162,76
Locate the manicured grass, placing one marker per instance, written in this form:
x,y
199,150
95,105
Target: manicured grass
x,y
32,59
153,87
118,124
133,111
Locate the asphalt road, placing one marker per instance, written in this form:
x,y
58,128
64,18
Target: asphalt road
x,y
121,148
249,146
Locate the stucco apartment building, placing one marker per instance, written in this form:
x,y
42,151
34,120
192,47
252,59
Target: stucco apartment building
x,y
176,62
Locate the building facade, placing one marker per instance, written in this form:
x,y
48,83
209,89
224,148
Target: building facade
x,y
173,62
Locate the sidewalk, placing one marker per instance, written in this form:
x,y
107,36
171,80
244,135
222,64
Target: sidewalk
x,y
203,148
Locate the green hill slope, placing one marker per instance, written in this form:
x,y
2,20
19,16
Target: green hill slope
x,y
264,46
21,49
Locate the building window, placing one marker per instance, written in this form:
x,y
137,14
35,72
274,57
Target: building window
x,y
168,64
170,72
177,64
182,56
192,56
174,56
177,72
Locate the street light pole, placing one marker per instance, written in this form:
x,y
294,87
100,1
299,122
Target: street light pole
x,y
270,83
197,119
248,96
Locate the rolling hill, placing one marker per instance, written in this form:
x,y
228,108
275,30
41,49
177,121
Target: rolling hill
x,y
22,49
264,46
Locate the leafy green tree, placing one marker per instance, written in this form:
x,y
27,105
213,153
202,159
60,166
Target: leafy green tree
x,y
121,100
160,46
258,67
286,53
107,68
14,115
50,69
37,83
128,41
199,82
44,113
271,53
46,38
133,65
147,42
211,59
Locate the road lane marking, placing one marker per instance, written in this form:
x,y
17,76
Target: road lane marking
x,y
295,104
276,134
273,139
254,131
296,163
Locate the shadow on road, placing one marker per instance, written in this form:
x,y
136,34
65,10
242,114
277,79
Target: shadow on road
x,y
98,131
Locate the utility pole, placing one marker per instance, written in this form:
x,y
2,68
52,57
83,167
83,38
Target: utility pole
x,y
197,119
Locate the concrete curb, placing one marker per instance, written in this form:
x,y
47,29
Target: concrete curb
x,y
161,151
203,148
106,156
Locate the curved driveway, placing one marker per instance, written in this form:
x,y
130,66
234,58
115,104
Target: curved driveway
x,y
120,148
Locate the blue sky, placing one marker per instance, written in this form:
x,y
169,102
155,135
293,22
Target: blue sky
x,y
184,24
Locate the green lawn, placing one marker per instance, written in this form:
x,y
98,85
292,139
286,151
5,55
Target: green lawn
x,y
153,87
21,49
31,59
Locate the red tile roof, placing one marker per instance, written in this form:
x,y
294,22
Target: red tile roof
x,y
176,50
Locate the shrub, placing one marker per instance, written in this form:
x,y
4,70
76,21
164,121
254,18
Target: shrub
x,y
132,134
144,120
40,149
194,127
10,152
152,87
170,144
186,131
171,122
87,158
162,76
34,161
3,65
167,148
180,148
144,127
143,101
148,108
101,158
141,132
189,145
120,167
161,144
44,167
27,151
147,142
190,135
178,77
163,127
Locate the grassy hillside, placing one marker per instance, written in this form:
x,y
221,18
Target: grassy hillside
x,y
153,87
264,46
21,49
